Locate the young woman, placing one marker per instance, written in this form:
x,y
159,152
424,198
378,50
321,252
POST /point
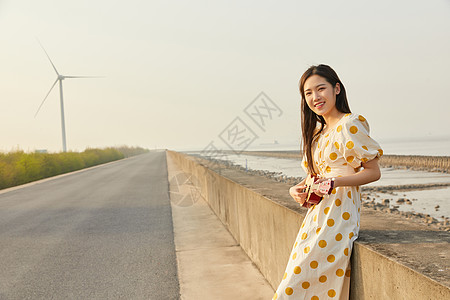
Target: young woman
x,y
338,150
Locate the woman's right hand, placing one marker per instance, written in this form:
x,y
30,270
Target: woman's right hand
x,y
297,192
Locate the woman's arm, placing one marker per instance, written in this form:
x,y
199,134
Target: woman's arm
x,y
370,173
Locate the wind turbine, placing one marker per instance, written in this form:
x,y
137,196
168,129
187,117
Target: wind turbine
x,y
59,78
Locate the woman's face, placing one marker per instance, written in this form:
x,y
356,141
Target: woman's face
x,y
320,95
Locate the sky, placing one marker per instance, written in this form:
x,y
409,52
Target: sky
x,y
184,74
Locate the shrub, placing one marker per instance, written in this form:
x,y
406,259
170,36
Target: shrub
x,y
18,167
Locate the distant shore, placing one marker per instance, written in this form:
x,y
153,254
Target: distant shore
x,y
412,162
369,194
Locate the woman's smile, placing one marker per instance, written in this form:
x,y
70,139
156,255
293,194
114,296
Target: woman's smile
x,y
319,105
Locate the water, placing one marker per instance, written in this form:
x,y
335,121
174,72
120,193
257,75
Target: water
x,y
391,176
423,201
292,168
426,199
433,146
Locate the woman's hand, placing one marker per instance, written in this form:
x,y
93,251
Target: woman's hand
x,y
318,181
297,192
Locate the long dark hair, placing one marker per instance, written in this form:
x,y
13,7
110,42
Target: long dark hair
x,y
310,118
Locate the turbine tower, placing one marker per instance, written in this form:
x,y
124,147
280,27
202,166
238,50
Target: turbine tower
x,y
60,78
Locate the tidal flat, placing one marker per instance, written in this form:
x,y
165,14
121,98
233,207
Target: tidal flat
x,y
417,194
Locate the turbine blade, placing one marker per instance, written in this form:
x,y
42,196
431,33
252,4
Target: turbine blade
x,y
84,76
46,97
48,57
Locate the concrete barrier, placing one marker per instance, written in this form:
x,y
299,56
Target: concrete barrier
x,y
266,231
375,276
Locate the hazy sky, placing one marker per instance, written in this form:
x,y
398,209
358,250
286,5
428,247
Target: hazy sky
x,y
177,73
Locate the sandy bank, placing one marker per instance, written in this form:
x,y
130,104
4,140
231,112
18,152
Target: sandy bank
x,y
368,197
413,162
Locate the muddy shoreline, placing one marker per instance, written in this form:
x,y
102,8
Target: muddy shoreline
x,y
369,195
410,162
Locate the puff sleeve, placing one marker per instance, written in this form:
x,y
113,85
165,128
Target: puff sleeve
x,y
355,142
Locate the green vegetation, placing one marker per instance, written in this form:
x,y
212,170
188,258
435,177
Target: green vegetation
x,y
19,167
131,151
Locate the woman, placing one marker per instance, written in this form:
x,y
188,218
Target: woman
x,y
337,149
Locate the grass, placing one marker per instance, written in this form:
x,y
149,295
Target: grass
x,y
18,167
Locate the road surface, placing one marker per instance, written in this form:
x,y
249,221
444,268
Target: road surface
x,y
103,233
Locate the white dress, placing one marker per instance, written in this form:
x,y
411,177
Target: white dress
x,y
319,264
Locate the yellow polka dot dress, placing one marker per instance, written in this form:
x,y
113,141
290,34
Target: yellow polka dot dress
x,y
319,264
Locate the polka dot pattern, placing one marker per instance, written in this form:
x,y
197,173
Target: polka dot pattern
x,y
319,259
331,293
357,141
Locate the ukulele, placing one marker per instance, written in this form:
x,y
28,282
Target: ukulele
x,y
324,187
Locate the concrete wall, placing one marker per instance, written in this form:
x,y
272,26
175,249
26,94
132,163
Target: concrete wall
x,y
266,231
375,276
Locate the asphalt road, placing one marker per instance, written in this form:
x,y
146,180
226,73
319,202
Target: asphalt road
x,y
104,233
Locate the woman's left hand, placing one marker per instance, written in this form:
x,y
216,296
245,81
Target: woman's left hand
x,y
318,181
